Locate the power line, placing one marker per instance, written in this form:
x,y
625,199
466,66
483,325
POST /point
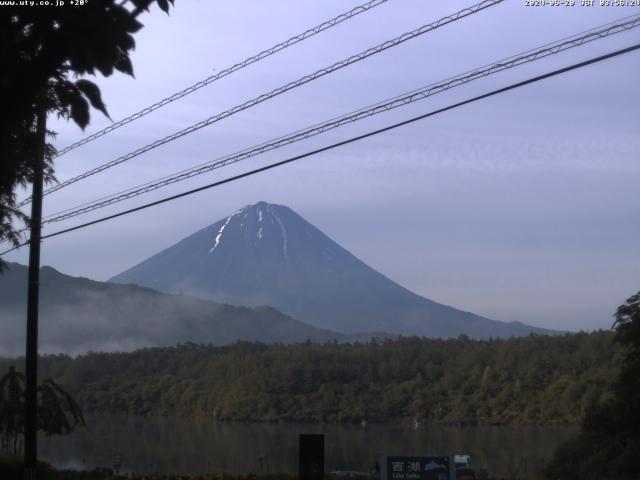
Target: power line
x,y
617,26
278,91
339,144
419,94
228,71
386,105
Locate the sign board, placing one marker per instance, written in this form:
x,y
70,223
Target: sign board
x,y
419,468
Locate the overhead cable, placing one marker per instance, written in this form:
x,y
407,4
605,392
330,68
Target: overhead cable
x,y
386,105
278,91
227,71
339,144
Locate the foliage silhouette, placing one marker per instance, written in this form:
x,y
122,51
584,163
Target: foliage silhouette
x,y
41,50
58,412
608,447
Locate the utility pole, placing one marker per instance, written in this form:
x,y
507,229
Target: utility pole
x,y
31,364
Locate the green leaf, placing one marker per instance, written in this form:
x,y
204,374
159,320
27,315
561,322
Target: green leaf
x,y
92,92
133,25
142,4
65,92
80,111
124,65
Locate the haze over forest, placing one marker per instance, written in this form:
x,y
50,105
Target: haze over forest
x,y
298,284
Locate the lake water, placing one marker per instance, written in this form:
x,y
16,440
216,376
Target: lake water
x,y
171,445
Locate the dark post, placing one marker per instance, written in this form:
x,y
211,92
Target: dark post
x,y
311,456
31,364
117,463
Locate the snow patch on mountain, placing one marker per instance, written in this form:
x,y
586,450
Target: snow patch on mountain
x,y
284,231
219,235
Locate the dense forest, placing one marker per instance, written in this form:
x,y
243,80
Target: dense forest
x,y
527,380
608,445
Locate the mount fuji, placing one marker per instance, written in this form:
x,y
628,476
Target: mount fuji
x,y
267,254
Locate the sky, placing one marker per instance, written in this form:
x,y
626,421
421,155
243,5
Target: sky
x,y
520,207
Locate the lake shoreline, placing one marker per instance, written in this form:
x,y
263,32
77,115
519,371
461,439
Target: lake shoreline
x,y
173,445
405,422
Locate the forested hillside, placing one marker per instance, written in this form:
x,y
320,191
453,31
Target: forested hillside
x,y
78,315
529,380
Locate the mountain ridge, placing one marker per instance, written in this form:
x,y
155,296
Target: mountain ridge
x,y
266,254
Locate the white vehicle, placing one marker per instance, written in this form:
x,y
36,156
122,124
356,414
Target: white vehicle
x,y
462,461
